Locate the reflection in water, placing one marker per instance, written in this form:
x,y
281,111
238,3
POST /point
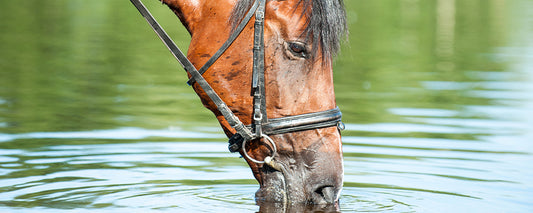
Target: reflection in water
x,y
96,173
436,97
445,35
121,133
295,208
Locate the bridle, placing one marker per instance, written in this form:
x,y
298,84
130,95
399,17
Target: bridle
x,y
262,126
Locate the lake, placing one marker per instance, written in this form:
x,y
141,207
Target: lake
x,y
95,114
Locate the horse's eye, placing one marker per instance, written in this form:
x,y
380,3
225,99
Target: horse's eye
x,y
298,49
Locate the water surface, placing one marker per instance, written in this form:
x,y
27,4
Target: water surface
x,y
95,114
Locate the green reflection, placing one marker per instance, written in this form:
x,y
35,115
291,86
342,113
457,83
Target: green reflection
x,y
395,45
72,65
382,186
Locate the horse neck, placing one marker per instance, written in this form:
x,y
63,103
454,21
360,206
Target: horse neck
x,y
193,13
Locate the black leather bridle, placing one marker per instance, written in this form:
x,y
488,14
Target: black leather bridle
x,y
262,126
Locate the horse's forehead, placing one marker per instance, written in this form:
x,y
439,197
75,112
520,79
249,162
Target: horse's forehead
x,y
290,13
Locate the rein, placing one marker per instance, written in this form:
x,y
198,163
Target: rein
x,y
262,126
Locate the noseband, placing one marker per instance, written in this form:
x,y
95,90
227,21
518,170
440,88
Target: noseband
x,y
262,126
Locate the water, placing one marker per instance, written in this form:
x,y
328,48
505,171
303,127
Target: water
x,y
95,115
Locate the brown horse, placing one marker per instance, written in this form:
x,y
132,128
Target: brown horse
x,y
300,39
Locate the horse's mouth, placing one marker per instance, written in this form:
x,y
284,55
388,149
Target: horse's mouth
x,y
298,207
274,189
274,196
280,187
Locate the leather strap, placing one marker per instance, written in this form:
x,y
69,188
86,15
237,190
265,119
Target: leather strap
x,y
258,71
197,76
303,122
294,123
228,42
261,125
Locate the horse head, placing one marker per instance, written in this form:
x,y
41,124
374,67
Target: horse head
x,y
300,39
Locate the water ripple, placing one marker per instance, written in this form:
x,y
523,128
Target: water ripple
x,y
120,133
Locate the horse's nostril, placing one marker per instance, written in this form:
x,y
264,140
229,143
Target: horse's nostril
x,y
327,194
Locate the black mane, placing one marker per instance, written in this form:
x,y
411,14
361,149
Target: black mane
x,y
327,22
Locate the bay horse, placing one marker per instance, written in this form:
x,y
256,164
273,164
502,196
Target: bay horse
x,y
264,68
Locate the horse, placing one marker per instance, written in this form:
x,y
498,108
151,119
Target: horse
x,y
264,68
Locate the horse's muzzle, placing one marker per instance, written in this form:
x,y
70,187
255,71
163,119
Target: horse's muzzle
x,y
320,184
325,195
274,191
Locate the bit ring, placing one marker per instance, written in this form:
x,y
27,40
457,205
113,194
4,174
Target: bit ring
x,y
260,161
